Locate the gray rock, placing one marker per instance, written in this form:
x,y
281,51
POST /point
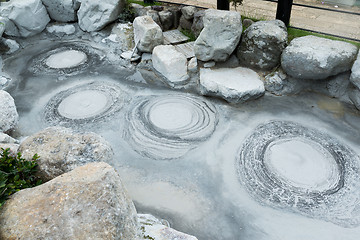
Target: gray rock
x,y
61,10
235,85
147,34
188,12
138,9
185,24
262,44
198,23
9,117
26,17
220,36
166,19
61,29
89,202
153,228
155,16
61,150
316,58
279,83
4,138
123,33
176,11
95,15
354,96
170,63
2,28
247,22
355,72
337,86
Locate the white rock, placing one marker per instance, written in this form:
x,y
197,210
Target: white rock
x,y
29,17
4,138
13,148
9,117
147,34
220,36
89,202
209,64
232,84
317,58
61,150
355,72
67,29
170,63
95,15
153,228
193,65
11,44
61,10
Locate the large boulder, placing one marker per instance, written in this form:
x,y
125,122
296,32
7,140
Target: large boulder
x,y
95,15
89,202
147,34
235,85
9,117
262,44
61,150
61,10
355,72
25,17
316,58
220,36
170,63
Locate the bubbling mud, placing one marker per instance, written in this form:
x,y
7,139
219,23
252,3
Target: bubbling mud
x,y
166,127
285,165
87,103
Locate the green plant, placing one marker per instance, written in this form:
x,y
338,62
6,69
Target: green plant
x,y
189,34
294,33
128,13
16,173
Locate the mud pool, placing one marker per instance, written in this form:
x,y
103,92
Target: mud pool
x,y
275,168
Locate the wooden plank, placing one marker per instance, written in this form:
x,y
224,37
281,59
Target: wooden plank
x,y
186,48
174,37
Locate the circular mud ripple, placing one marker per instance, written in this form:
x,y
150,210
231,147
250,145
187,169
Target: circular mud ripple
x,y
88,103
69,59
285,165
167,127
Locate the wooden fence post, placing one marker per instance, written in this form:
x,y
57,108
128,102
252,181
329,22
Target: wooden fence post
x,y
223,5
284,10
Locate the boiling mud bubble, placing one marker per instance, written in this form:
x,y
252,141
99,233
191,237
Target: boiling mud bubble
x,y
288,166
68,58
166,127
87,103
